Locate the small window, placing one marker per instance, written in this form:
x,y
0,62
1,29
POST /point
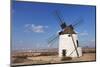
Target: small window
x,y
77,43
69,35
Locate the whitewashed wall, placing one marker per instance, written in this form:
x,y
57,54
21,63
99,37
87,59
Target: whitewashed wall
x,y
65,42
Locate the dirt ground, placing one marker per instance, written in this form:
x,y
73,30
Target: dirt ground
x,y
55,59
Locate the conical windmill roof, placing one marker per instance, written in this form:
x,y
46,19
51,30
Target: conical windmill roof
x,y
67,30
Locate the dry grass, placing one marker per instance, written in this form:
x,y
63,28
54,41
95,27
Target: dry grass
x,y
45,58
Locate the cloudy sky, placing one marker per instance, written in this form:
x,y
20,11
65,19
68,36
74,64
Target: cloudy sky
x,y
34,23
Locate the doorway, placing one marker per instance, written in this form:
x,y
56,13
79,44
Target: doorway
x,y
64,52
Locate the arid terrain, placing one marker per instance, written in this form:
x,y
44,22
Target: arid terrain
x,y
34,58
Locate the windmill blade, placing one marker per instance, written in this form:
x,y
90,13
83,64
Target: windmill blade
x,y
53,39
58,16
78,22
50,38
74,45
72,52
61,23
52,43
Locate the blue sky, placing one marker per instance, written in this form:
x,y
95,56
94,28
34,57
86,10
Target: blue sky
x,y
33,23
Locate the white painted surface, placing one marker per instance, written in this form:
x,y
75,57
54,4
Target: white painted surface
x,y
65,42
79,49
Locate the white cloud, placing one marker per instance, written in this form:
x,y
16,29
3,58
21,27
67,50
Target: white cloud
x,y
35,28
46,26
83,33
20,41
92,40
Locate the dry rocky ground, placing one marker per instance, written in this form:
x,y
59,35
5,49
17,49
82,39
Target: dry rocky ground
x,y
87,56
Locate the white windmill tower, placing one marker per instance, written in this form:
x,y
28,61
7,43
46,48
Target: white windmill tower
x,y
68,40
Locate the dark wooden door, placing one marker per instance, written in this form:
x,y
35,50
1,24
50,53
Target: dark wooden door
x,y
63,52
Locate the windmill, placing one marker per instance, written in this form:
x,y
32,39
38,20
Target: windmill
x,y
68,41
